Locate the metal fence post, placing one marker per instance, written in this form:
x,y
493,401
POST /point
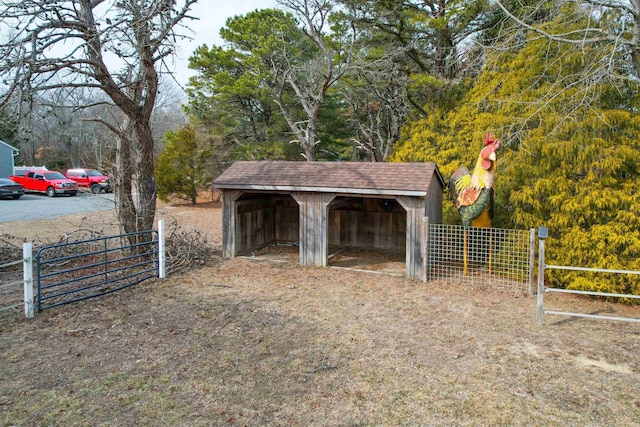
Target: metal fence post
x,y
27,266
161,255
542,234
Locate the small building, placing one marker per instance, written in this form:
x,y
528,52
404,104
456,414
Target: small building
x,y
8,154
318,205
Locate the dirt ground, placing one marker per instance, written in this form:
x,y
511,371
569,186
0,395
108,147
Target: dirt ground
x,y
256,342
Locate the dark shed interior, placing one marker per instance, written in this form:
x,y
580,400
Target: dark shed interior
x,y
265,219
367,223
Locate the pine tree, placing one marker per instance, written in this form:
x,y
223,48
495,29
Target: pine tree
x,y
181,169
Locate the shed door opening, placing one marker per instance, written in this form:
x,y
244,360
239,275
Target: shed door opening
x,y
367,233
264,220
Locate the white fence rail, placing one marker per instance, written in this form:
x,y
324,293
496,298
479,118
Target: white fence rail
x,y
10,289
542,267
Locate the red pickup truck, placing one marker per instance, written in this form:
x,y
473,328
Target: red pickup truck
x,y
44,181
90,178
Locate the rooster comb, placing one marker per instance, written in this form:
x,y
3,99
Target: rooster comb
x,y
490,138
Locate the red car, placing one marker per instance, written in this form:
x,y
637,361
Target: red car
x,y
49,182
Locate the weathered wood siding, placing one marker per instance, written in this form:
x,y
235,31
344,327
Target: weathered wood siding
x,y
287,220
256,224
313,226
433,215
433,207
266,220
415,208
365,224
229,224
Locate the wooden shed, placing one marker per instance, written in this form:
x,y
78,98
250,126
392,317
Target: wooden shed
x,y
321,204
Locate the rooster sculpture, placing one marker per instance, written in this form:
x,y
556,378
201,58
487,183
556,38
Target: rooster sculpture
x,y
473,193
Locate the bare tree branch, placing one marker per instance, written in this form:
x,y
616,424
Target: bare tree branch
x,y
116,47
310,79
600,27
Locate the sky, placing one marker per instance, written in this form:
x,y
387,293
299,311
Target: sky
x,y
212,16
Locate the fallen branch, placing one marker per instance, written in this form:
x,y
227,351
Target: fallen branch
x,y
323,366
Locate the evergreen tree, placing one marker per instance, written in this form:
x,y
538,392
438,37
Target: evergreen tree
x,y
181,168
8,128
228,97
570,158
270,84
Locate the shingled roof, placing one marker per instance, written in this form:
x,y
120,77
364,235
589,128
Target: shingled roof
x,y
334,177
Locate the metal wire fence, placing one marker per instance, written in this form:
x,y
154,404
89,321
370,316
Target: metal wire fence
x,y
500,258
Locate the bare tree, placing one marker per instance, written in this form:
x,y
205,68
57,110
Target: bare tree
x,y
376,94
69,135
168,113
116,47
591,57
311,79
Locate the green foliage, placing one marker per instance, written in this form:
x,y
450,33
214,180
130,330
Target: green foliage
x,y
569,159
233,92
181,169
582,184
227,96
8,128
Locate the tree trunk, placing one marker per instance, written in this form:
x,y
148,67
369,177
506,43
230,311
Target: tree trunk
x,y
135,170
145,176
311,134
309,152
125,206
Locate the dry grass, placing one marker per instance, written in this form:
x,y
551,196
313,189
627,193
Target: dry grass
x,y
250,342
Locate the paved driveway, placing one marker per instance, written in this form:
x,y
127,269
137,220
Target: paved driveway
x,y
38,206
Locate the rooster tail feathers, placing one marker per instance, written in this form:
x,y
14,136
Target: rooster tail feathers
x,y
463,183
460,179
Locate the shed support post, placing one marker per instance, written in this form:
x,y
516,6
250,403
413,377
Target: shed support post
x,y
314,227
229,223
414,250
